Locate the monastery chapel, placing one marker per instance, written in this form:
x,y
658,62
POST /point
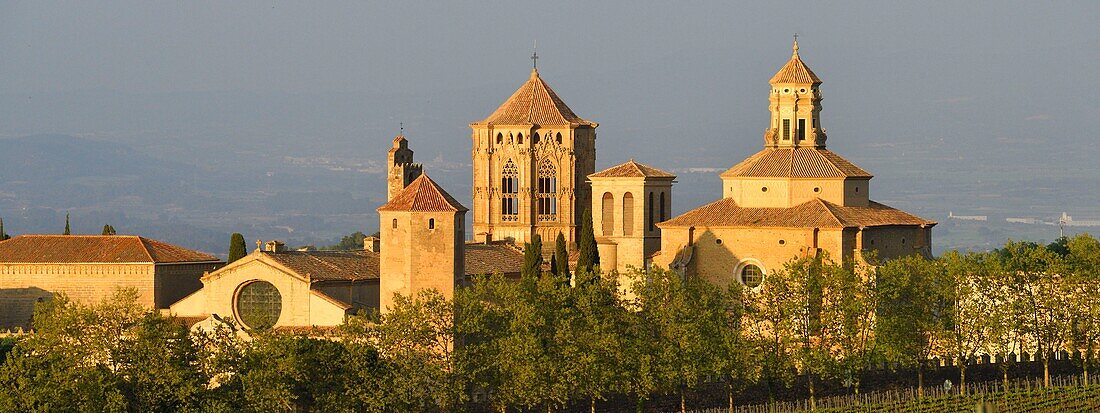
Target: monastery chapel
x,y
533,173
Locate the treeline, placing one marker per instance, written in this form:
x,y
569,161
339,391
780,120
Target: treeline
x,y
551,340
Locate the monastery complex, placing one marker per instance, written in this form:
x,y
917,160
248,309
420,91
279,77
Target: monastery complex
x,y
533,173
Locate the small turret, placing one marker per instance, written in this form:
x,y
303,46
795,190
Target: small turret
x,y
402,170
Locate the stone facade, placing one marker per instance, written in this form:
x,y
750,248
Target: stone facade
x,y
530,160
89,269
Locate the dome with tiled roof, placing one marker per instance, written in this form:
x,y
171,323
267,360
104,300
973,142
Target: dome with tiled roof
x,y
795,71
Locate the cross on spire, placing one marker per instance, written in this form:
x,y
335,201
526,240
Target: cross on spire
x,y
535,56
402,127
795,47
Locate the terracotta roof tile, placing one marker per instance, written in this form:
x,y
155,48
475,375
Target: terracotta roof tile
x,y
795,71
816,213
95,249
632,169
493,258
534,103
802,162
330,265
423,194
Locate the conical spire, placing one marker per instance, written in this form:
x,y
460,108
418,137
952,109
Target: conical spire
x,y
795,71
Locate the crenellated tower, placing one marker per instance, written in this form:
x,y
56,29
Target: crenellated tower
x,y
402,170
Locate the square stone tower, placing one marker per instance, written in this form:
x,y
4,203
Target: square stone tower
x,y
530,160
423,233
402,170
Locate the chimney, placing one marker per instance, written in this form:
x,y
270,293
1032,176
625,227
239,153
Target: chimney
x,y
372,244
275,246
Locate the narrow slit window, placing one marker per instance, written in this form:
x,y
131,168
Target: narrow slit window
x,y
786,129
802,129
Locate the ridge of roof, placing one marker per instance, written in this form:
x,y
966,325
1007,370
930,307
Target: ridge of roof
x,y
632,169
423,195
534,103
798,162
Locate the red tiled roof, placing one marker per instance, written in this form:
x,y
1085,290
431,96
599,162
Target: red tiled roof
x,y
330,265
493,258
534,103
795,71
802,162
423,194
95,249
632,169
816,213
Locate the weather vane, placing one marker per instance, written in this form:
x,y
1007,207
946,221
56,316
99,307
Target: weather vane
x,y
402,127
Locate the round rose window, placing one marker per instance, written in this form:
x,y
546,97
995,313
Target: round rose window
x,y
259,305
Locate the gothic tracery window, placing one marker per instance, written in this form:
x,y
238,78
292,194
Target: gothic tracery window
x,y
547,195
509,189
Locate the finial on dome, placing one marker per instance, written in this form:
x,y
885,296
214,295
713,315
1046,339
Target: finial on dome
x,y
795,47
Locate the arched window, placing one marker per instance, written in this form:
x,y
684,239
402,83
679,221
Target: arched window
x,y
519,138
535,139
395,223
500,138
431,223
509,190
628,214
649,213
664,210
547,195
752,276
608,214
558,137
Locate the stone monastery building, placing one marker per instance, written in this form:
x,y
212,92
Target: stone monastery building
x,y
533,173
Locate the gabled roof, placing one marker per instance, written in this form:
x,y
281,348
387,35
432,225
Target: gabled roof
x,y
801,162
795,71
632,169
534,103
329,265
95,249
816,213
423,195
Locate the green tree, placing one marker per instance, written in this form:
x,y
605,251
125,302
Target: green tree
x,y
736,360
287,372
3,234
1043,290
417,342
966,333
237,248
685,316
851,320
910,314
67,231
559,262
532,257
1003,317
1084,263
589,256
108,230
594,328
350,242
112,356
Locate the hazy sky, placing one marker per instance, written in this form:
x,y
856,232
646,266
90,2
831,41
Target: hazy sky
x,y
676,83
414,46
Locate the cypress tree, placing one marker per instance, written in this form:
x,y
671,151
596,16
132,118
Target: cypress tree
x,y
237,249
589,256
3,235
108,230
559,263
532,257
67,231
